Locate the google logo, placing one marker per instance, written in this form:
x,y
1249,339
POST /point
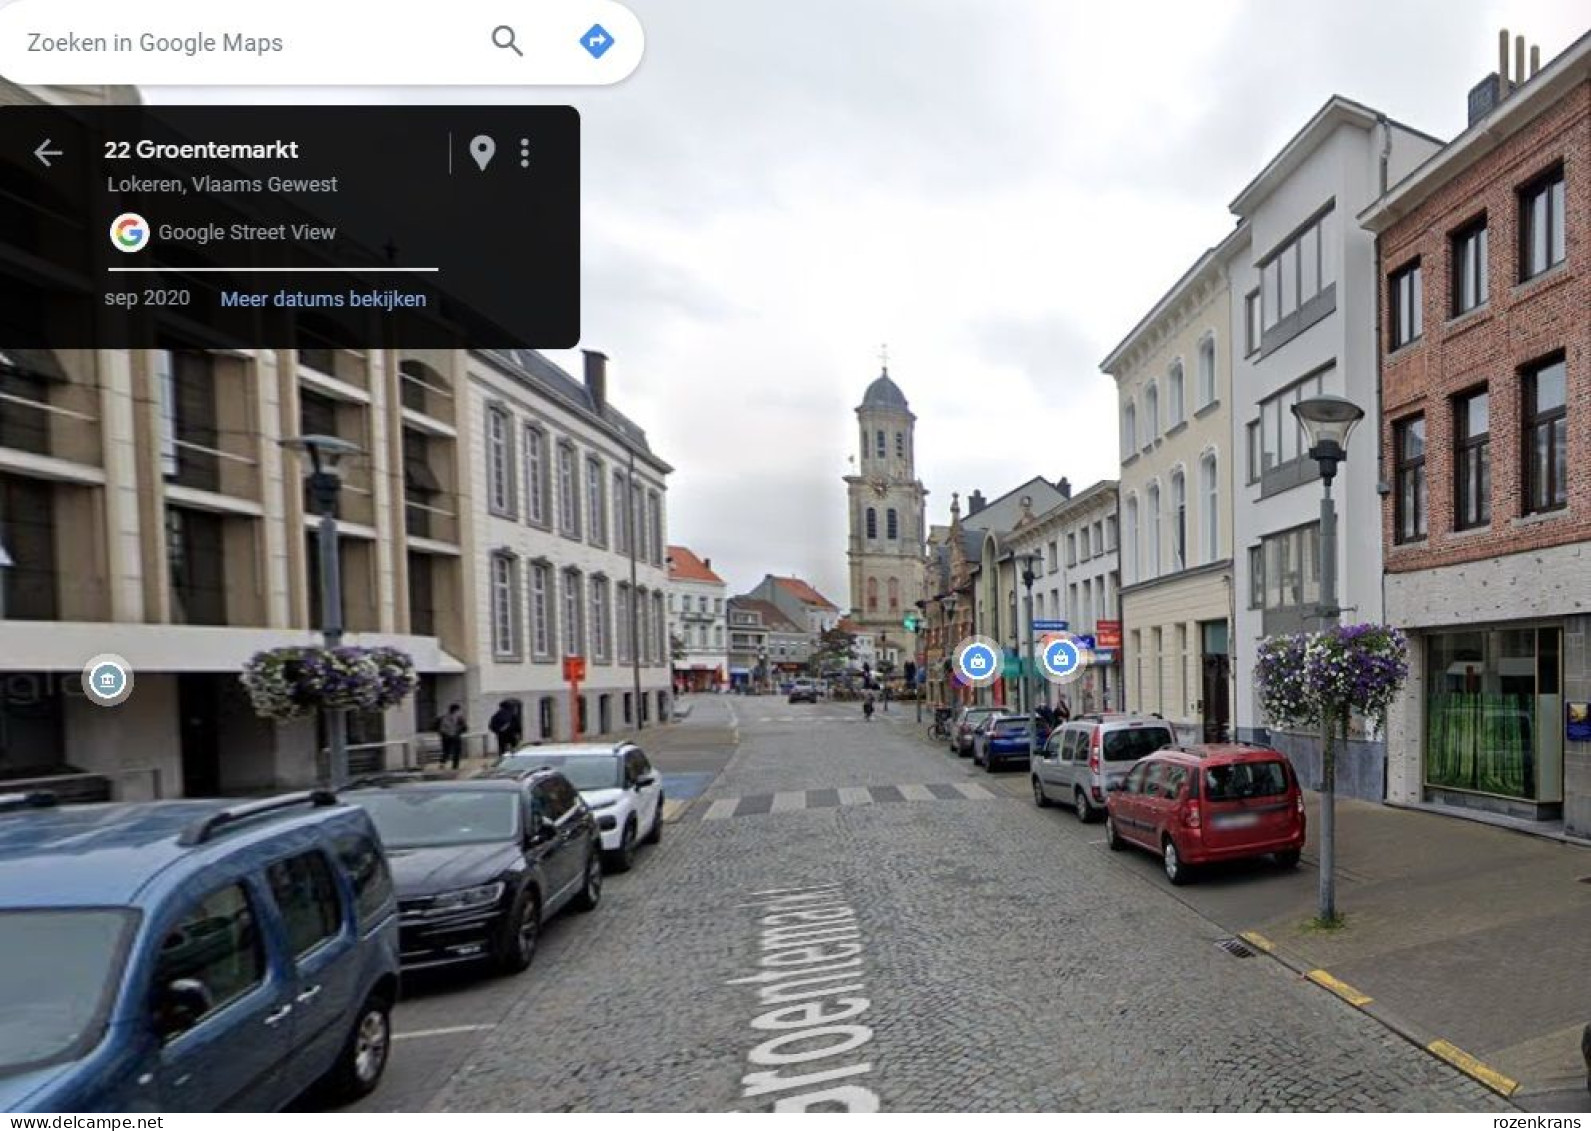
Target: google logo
x,y
129,232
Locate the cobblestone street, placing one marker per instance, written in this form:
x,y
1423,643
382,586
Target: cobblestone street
x,y
1007,961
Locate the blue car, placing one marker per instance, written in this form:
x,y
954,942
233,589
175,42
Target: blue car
x,y
1005,739
192,955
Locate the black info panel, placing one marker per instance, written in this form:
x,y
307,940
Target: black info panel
x,y
251,226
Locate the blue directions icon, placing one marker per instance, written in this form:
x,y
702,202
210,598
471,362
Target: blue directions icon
x,y
977,661
597,41
1062,659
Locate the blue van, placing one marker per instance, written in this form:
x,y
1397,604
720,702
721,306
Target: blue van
x,y
192,955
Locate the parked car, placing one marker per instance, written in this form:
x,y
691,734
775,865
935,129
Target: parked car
x,y
192,955
1082,758
618,783
482,863
967,721
1004,738
1218,801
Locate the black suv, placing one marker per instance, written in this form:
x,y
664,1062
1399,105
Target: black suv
x,y
480,864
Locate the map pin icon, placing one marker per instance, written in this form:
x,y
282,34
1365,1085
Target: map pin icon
x,y
482,148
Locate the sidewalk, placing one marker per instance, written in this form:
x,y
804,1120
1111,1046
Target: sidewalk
x,y
1456,931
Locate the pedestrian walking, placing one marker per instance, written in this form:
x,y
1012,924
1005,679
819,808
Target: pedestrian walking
x,y
451,728
506,726
867,707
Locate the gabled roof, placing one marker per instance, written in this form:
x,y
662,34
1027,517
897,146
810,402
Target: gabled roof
x,y
686,566
803,592
772,619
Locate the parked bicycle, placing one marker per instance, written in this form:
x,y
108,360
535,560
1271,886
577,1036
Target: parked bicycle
x,y
939,729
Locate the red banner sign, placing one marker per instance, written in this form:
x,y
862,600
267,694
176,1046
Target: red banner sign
x,y
574,669
1107,634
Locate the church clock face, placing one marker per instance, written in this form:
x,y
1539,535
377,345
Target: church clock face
x,y
880,485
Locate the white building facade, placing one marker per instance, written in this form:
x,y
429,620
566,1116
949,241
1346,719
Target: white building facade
x,y
698,622
1303,300
569,534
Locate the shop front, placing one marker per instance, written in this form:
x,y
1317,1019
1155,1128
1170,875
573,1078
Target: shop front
x,y
1494,719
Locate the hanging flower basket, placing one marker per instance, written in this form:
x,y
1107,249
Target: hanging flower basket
x,y
295,682
1305,679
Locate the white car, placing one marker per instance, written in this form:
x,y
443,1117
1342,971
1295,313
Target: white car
x,y
619,784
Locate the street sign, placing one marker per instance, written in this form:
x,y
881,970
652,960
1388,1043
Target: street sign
x,y
912,622
1085,641
574,669
1049,625
1108,632
1104,656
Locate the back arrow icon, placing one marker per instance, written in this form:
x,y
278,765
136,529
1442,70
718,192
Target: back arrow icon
x,y
44,153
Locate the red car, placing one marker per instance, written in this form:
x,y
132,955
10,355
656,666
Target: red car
x,y
1195,805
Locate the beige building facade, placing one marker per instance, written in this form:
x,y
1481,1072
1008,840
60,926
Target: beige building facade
x,y
1173,376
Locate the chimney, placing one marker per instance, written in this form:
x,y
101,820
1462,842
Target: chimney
x,y
1535,59
1486,95
597,379
1064,487
708,562
975,503
1519,60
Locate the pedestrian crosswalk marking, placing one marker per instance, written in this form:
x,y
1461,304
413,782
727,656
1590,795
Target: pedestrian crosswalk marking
x,y
790,801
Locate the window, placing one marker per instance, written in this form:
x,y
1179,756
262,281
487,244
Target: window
x,y
872,523
1409,448
1206,371
878,443
568,492
1179,521
1282,438
621,513
659,630
622,625
1151,413
1071,549
894,594
499,462
1469,267
1052,555
1254,446
367,868
1210,487
599,618
596,502
1251,323
1298,271
1129,430
1130,566
1405,292
1110,532
892,525
306,895
217,945
1541,225
1153,567
536,475
900,445
872,594
1256,577
1472,462
574,630
1546,431
1174,395
655,517
540,610
1083,552
505,582
1099,538
1290,569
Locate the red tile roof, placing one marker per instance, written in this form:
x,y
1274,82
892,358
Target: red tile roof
x,y
803,592
686,566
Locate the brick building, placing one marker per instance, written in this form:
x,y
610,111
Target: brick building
x,y
1486,449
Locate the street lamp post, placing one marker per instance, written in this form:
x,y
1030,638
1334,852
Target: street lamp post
x,y
323,456
1328,420
1029,576
919,676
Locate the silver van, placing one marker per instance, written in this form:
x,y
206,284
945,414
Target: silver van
x,y
1085,756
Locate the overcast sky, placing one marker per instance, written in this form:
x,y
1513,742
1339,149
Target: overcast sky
x,y
998,189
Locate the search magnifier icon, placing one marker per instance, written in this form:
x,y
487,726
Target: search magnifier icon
x,y
503,36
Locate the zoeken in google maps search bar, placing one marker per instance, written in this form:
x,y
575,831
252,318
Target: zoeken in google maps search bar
x,y
318,43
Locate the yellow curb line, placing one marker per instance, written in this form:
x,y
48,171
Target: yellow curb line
x,y
1254,938
1468,1065
1340,988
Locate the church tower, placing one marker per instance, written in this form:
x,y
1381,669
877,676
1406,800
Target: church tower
x,y
887,543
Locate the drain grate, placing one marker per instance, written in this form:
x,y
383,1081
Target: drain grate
x,y
1235,947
